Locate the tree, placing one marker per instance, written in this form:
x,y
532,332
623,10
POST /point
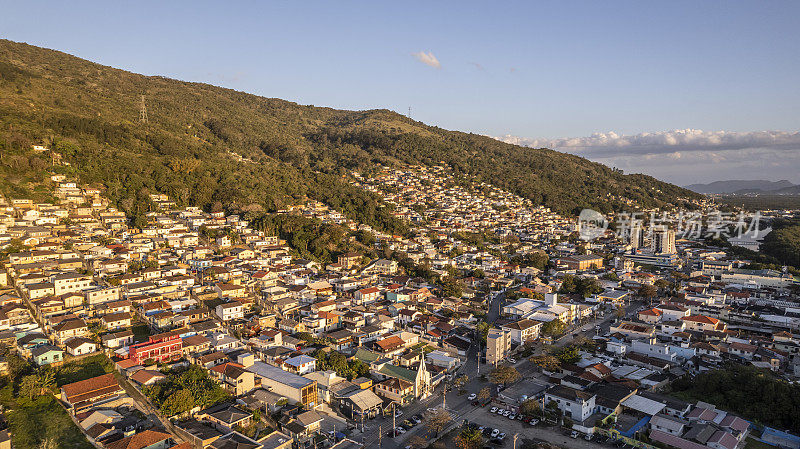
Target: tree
x,y
437,420
452,287
180,402
47,379
567,284
554,328
611,276
306,337
484,394
30,386
529,407
17,366
417,442
460,381
569,354
184,389
482,328
504,374
469,438
648,291
662,284
546,362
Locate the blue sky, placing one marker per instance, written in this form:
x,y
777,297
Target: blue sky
x,y
530,70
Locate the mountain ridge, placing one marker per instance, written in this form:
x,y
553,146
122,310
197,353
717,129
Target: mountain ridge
x,y
198,135
741,186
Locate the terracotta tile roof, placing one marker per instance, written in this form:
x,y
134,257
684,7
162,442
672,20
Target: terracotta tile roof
x,y
390,343
91,389
139,440
651,312
701,319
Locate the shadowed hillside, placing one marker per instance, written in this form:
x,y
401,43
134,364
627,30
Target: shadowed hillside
x,y
215,147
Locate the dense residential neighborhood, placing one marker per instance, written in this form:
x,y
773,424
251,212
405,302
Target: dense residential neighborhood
x,y
491,312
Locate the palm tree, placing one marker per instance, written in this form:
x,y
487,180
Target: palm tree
x,y
47,379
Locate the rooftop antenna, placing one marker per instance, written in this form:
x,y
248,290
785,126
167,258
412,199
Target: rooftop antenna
x,y
143,112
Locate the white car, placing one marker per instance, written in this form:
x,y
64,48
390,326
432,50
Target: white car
x,y
495,432
512,361
512,416
574,434
472,397
400,430
493,410
534,422
506,412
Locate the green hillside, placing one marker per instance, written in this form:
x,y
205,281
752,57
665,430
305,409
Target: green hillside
x,y
215,147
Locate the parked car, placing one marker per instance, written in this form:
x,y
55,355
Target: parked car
x,y
534,422
398,413
495,432
501,436
587,437
417,419
493,410
574,434
512,416
506,412
512,360
472,397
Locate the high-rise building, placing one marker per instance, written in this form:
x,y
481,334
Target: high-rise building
x,y
637,237
663,241
498,342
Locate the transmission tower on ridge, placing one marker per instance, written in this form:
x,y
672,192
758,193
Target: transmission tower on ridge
x,y
143,112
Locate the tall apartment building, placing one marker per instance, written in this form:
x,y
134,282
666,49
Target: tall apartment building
x,y
637,237
498,342
663,241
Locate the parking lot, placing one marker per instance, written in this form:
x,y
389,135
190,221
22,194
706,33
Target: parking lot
x,y
540,432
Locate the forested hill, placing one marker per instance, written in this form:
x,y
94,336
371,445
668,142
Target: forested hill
x,y
215,147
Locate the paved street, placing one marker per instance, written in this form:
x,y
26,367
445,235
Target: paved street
x,y
461,408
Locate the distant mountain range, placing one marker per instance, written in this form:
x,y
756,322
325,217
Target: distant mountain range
x,y
746,186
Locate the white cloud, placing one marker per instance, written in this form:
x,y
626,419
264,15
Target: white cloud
x,y
679,140
689,155
427,59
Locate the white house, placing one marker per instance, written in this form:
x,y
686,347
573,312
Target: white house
x,y
230,311
574,404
